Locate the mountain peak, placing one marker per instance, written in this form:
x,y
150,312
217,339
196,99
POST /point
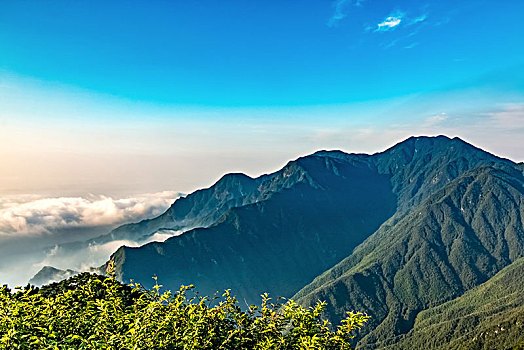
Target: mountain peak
x,y
49,274
425,143
235,177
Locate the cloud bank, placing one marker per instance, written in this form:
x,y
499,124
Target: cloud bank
x,y
93,254
34,215
33,230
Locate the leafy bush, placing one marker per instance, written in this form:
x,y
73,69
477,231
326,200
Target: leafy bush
x,y
95,312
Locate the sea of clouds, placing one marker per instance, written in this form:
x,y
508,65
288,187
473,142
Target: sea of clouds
x,y
34,230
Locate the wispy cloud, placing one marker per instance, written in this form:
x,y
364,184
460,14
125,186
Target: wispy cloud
x,y
390,22
495,126
339,13
412,45
435,120
341,8
510,117
418,19
390,44
444,20
396,19
407,40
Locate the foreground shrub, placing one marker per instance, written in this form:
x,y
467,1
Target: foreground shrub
x,y
95,312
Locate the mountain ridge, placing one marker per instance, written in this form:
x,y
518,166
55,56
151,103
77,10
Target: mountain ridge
x,y
404,165
49,274
391,234
305,178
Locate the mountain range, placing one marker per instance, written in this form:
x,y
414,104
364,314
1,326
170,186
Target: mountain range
x,y
410,236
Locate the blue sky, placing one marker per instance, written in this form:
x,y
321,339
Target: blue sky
x,y
193,89
264,53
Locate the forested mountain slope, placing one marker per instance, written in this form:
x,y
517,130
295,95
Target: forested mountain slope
x,y
282,230
310,215
490,316
455,240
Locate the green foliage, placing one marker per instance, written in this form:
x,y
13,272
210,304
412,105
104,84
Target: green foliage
x,y
94,312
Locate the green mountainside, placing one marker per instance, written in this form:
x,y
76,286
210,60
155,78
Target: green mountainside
x,y
490,316
455,240
420,166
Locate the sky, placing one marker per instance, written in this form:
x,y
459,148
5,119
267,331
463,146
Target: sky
x,y
128,103
130,96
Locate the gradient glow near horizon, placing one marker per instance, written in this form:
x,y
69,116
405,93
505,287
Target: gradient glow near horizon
x,y
132,97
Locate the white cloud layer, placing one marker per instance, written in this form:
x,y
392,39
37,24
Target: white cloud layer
x,y
93,254
30,224
35,215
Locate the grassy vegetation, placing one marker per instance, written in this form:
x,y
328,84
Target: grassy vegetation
x,y
95,312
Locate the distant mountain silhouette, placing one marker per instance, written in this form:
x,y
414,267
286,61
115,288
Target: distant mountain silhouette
x,y
49,274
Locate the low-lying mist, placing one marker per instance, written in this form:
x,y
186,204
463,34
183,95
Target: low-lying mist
x,y
36,231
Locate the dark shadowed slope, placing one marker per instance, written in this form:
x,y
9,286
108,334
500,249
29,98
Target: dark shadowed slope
x,y
309,215
490,316
198,209
456,239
